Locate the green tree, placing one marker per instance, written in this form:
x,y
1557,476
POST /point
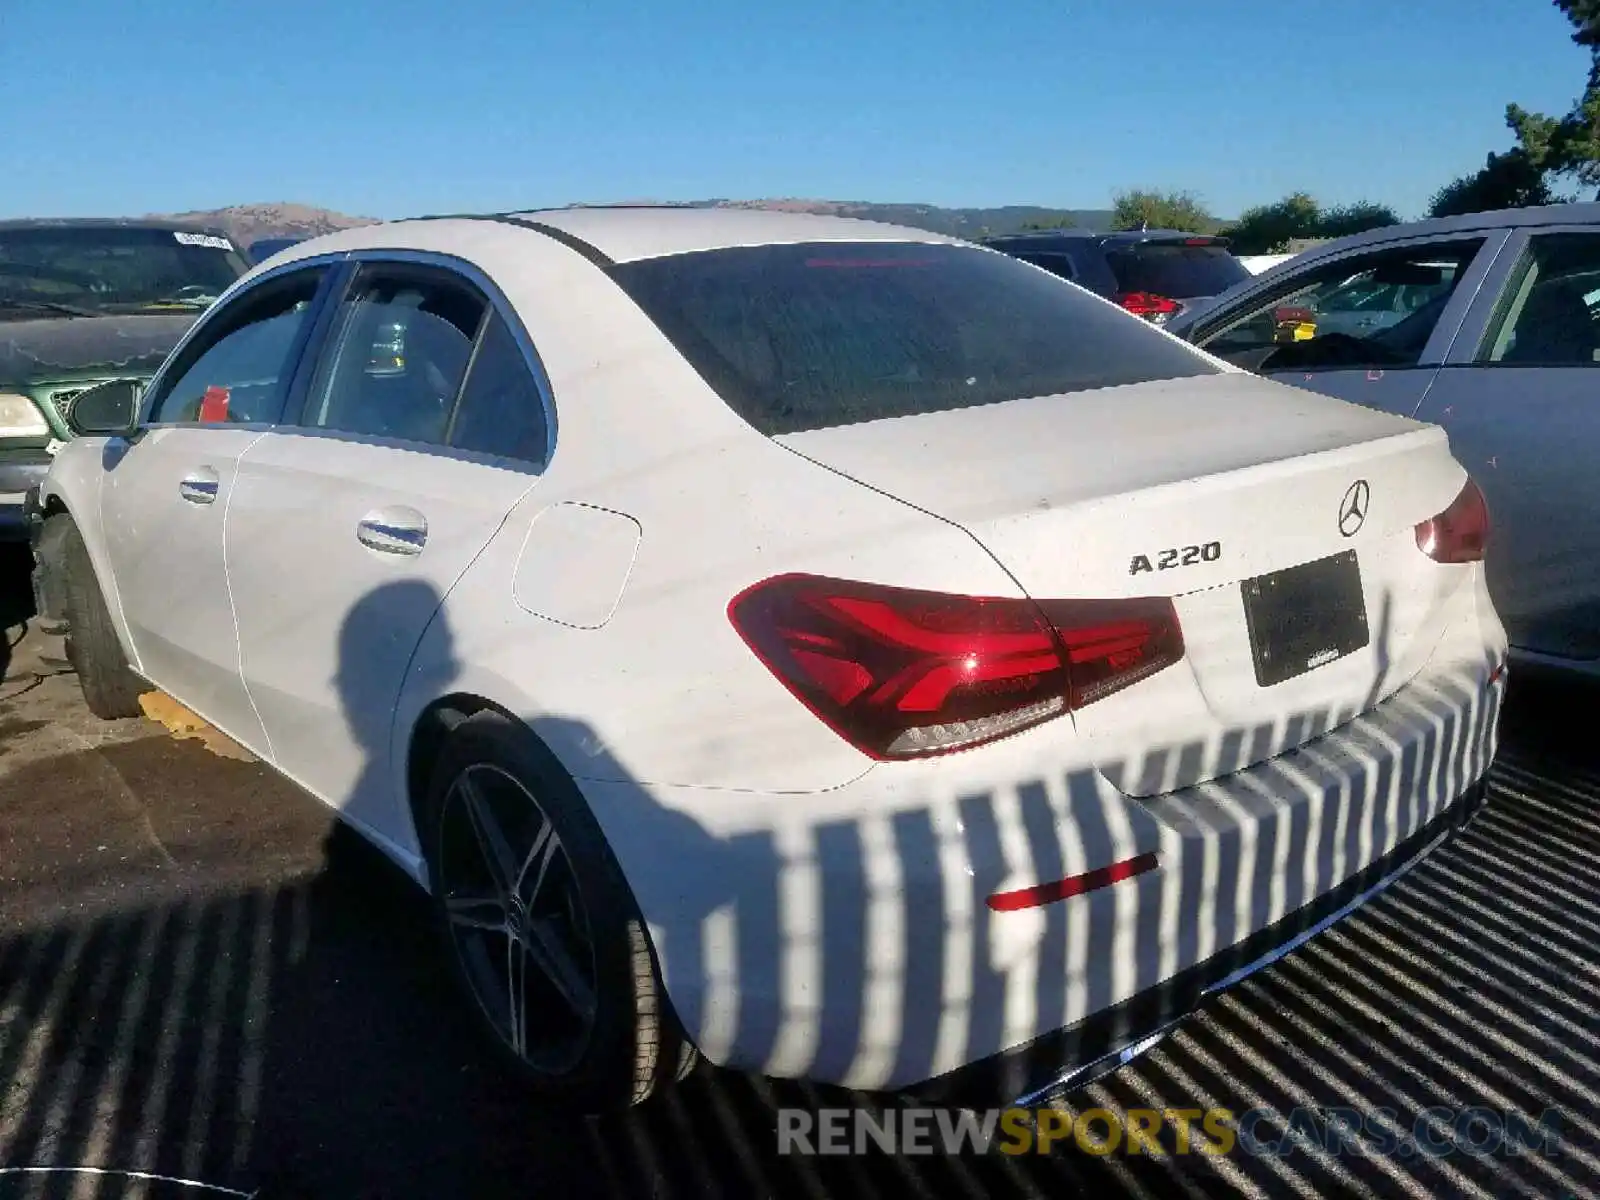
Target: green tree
x,y
1052,223
1144,209
1569,145
1355,218
1546,149
1267,228
1509,180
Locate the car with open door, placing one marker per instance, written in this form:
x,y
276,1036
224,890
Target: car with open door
x,y
831,649
1486,324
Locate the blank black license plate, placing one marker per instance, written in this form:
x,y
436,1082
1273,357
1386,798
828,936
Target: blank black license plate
x,y
1305,617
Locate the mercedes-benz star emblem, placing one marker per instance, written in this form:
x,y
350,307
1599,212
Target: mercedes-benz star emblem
x,y
1353,508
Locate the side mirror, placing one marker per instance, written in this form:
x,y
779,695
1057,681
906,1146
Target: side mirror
x,y
106,410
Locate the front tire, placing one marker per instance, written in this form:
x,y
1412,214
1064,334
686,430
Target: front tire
x,y
540,928
110,688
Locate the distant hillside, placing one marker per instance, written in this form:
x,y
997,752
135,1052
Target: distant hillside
x,y
246,223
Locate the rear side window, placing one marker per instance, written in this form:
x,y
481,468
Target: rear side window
x,y
814,335
1175,269
1550,317
501,411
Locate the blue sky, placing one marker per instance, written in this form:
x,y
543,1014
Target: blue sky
x,y
406,106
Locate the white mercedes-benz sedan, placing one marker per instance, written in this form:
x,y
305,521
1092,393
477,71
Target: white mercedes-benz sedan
x,y
830,649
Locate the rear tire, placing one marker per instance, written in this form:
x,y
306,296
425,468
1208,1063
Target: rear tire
x,y
110,688
568,904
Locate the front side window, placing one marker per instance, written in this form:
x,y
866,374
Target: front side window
x,y
1550,316
401,343
237,368
807,336
1374,310
105,270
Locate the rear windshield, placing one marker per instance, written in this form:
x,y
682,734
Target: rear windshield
x,y
814,335
1174,269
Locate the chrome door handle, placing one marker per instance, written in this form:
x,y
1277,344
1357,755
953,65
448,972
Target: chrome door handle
x,y
393,531
199,487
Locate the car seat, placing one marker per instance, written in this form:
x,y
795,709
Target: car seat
x,y
1554,328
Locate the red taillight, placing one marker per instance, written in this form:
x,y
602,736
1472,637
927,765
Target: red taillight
x,y
1147,304
1461,532
1293,312
904,674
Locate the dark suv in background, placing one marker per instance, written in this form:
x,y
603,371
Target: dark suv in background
x,y
265,248
83,302
1157,274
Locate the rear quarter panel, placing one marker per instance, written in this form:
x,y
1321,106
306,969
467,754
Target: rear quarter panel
x,y
664,691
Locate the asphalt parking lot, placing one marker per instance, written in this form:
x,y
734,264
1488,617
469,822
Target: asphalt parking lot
x,y
202,978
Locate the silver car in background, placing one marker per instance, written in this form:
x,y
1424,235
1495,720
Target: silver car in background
x,y
1486,324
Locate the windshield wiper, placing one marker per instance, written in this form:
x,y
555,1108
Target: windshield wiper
x,y
50,306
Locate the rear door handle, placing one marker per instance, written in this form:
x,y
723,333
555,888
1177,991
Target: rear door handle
x,y
393,531
199,486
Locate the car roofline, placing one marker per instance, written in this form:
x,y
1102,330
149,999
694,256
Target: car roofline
x,y
523,220
571,241
610,248
1542,216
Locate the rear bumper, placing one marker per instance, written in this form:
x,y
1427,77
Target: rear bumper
x,y
1072,1058
845,936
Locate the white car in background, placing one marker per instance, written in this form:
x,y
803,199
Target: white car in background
x,y
1257,264
827,647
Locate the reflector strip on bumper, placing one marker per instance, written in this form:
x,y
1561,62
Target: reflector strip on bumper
x,y
1074,885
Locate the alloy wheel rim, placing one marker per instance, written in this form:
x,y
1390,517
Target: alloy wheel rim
x,y
517,919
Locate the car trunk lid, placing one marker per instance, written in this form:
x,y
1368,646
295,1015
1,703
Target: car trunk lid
x,y
1191,489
